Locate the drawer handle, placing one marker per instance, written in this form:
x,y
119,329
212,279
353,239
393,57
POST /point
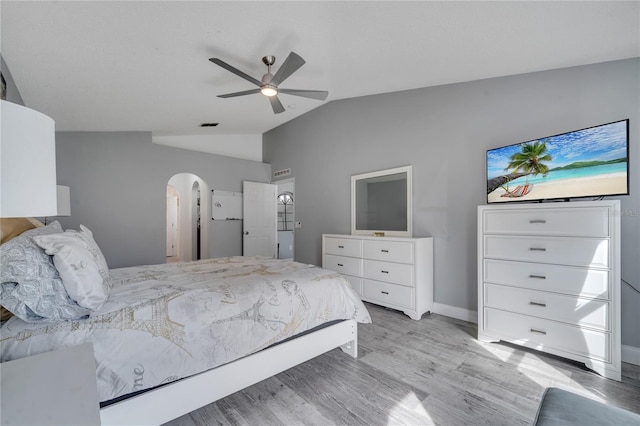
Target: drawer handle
x,y
537,221
340,246
537,249
385,272
384,251
540,277
533,330
542,305
340,264
385,292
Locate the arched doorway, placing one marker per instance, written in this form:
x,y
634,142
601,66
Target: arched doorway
x,y
192,230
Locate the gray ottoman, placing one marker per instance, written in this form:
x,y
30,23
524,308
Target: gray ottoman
x,y
559,407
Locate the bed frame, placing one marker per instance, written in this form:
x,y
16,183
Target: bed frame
x,y
171,401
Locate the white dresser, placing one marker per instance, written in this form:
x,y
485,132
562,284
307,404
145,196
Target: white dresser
x,y
549,279
390,271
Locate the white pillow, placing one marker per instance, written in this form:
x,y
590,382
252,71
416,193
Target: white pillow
x,y
78,265
95,250
30,285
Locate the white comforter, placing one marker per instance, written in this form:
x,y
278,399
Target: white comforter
x,y
165,322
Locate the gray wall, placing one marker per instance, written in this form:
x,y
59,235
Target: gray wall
x,y
118,184
444,133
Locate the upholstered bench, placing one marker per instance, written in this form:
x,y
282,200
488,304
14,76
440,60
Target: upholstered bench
x,y
559,407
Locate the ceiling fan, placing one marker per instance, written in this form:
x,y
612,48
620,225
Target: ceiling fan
x,y
268,86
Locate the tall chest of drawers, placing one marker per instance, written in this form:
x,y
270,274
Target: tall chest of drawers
x,y
549,279
389,271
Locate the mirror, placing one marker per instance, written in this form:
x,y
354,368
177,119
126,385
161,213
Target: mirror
x,y
381,203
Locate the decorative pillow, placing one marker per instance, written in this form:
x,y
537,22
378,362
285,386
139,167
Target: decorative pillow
x,y
79,266
9,229
102,262
30,286
97,253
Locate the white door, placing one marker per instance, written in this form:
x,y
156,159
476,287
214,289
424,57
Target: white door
x,y
172,226
260,221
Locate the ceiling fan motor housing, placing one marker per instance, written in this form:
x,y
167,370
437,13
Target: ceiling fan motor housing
x,y
268,61
266,79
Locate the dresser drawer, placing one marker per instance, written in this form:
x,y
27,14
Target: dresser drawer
x,y
342,264
585,222
343,246
577,281
543,334
392,251
592,252
388,294
568,309
398,273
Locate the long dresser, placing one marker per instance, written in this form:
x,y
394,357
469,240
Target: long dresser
x,y
389,271
549,279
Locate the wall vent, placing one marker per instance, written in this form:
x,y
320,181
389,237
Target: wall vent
x,y
280,173
209,124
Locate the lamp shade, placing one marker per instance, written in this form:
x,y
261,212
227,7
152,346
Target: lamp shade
x,y
27,162
64,200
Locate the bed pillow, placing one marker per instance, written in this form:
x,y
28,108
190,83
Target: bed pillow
x,y
79,265
9,229
95,250
30,286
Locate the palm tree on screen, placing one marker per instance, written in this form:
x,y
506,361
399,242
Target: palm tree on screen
x,y
531,159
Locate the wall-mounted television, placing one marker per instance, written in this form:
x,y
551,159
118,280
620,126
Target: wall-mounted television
x,y
591,162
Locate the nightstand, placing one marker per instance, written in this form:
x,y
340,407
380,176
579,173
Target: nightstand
x,y
53,388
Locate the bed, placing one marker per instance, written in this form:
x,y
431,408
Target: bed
x,y
171,338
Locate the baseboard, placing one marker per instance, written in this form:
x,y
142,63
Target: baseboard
x,y
631,354
455,312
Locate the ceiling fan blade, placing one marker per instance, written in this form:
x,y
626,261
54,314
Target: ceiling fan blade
x,y
288,67
276,105
236,71
246,92
321,95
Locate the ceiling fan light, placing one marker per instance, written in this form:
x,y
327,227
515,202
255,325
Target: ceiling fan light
x,y
269,91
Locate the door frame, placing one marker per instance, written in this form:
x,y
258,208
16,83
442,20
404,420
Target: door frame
x,y
279,183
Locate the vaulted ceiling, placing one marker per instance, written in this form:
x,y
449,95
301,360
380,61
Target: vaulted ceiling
x,y
143,65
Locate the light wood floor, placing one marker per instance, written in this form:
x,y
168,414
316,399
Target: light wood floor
x,y
431,371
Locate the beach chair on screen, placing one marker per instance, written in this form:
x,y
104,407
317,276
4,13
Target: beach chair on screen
x,y
518,191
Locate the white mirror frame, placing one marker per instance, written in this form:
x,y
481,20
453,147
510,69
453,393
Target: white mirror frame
x,y
409,232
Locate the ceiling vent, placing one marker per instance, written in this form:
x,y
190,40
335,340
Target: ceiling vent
x,y
209,124
280,173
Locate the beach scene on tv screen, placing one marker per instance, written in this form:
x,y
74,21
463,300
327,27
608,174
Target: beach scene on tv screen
x,y
583,163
